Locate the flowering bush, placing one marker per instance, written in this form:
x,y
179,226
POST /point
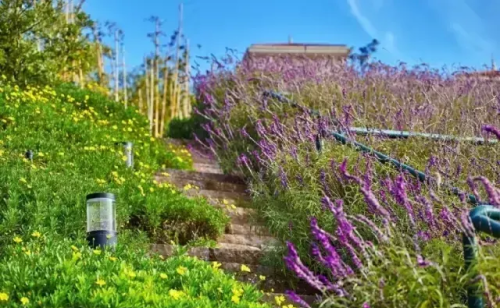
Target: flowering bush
x,y
393,241
72,134
45,271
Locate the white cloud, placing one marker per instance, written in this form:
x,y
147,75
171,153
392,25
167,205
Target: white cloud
x,y
467,27
388,42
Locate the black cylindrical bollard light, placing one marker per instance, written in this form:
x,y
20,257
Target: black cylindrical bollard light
x,y
101,220
127,146
127,151
29,155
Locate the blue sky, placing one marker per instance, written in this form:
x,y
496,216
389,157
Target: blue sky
x,y
437,32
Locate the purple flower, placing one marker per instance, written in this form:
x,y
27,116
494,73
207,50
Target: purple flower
x,y
492,192
492,130
296,299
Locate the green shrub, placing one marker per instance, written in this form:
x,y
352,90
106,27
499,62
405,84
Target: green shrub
x,y
72,133
44,271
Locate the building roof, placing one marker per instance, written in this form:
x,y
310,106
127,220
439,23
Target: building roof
x,y
297,48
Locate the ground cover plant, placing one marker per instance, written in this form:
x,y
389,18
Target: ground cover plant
x,y
359,231
72,134
40,270
44,261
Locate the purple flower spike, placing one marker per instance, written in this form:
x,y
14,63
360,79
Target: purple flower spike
x,y
492,192
296,299
492,130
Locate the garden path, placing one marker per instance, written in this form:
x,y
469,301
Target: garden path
x,y
245,241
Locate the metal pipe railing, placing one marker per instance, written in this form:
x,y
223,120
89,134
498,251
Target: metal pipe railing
x,y
385,132
484,217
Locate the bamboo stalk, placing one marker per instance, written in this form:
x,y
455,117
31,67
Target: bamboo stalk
x,y
116,65
164,98
186,100
151,102
125,97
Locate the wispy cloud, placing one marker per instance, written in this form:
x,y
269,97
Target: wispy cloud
x,y
468,28
388,41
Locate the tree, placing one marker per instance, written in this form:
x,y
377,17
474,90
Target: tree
x,y
365,53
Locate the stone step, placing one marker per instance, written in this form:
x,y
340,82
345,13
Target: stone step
x,y
258,241
270,298
223,253
247,229
255,269
240,215
205,181
207,167
235,197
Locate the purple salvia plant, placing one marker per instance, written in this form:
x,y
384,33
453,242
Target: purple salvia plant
x,y
297,299
332,258
492,130
294,263
493,195
283,178
370,198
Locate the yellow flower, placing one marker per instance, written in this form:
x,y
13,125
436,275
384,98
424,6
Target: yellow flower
x,y
36,234
216,265
17,239
225,202
262,278
100,282
181,270
4,296
113,259
245,268
41,154
175,294
163,276
151,189
279,299
25,301
235,299
97,252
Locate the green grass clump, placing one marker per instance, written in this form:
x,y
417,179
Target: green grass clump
x,y
38,270
72,134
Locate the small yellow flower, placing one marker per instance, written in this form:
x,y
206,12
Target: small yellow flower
x,y
113,259
181,270
100,282
279,300
235,299
262,278
225,202
175,294
163,276
41,154
4,296
97,252
25,301
36,234
18,240
245,268
216,265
